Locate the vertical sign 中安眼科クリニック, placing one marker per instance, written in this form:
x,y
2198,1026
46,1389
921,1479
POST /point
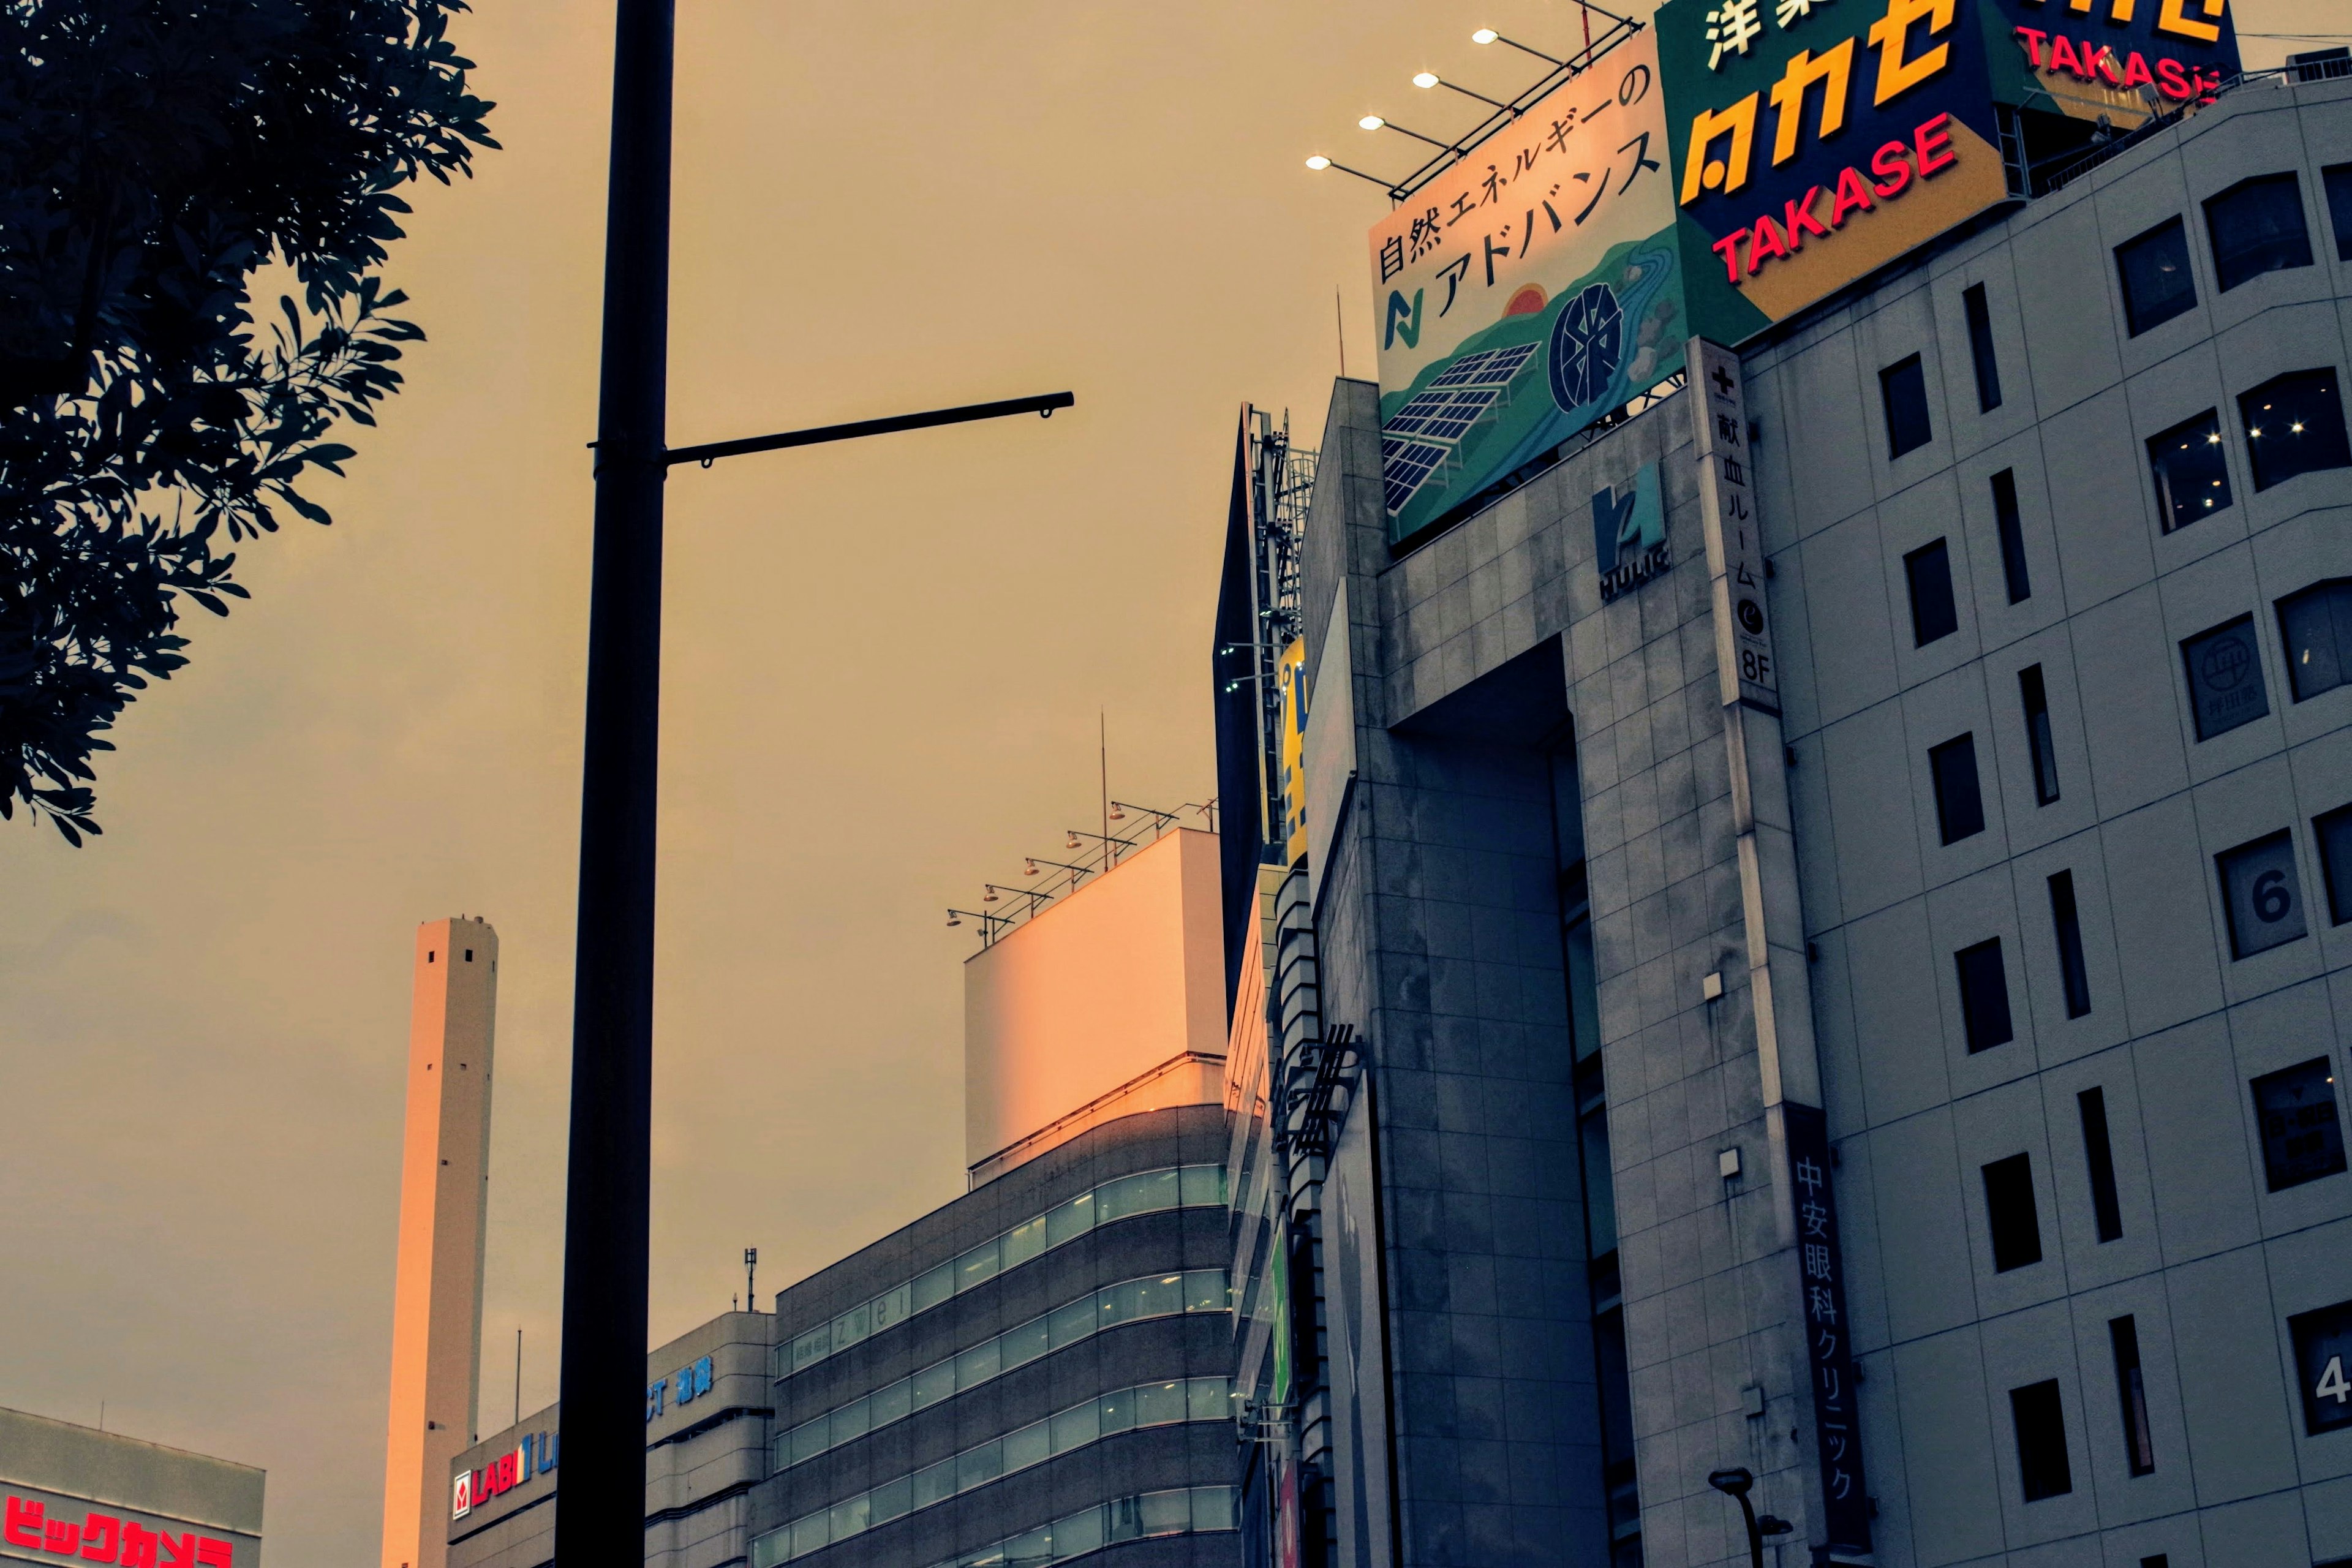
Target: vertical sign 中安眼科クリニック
x,y
1735,539
1837,1413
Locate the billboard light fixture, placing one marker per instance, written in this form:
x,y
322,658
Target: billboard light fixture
x,y
1489,36
1428,79
1319,163
1374,122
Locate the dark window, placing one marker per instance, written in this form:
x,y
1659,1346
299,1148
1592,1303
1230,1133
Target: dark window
x,y
2099,1158
1928,570
2008,1214
2067,922
1984,996
2317,626
2295,424
2193,472
1959,806
2338,181
2157,1560
2012,535
2131,1389
2036,698
2301,1140
1904,387
2323,1340
2334,831
2041,1441
1973,300
2155,272
2256,226
2225,677
2261,893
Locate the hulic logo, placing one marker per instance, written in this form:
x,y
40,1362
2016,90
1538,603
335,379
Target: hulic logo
x,y
1403,321
1629,534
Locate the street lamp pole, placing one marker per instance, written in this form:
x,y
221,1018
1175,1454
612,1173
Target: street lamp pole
x,y
600,1507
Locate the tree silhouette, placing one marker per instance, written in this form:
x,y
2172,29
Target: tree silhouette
x,y
154,157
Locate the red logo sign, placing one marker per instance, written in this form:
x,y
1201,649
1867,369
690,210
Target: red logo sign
x,y
103,1538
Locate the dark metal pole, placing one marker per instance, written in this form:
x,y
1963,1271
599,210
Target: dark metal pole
x,y
600,1507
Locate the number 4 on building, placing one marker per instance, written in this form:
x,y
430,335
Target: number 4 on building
x,y
2332,1384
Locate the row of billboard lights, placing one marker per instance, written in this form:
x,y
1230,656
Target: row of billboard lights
x,y
1425,80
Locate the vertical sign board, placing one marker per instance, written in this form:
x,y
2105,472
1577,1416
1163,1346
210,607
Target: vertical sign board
x,y
1735,540
1837,1417
1813,143
1530,290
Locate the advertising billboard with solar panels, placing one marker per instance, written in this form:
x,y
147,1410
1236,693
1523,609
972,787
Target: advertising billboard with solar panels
x,y
1529,290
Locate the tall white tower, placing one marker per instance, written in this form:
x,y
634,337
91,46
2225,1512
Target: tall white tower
x,y
437,1314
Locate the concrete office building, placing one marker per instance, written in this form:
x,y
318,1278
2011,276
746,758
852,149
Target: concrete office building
x,y
436,1316
1928,1088
1040,1370
76,1494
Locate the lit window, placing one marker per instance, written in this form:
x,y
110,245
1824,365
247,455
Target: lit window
x,y
2295,424
2192,470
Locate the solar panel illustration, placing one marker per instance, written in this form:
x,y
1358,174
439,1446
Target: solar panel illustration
x,y
1416,413
1459,372
1501,364
1403,465
1467,402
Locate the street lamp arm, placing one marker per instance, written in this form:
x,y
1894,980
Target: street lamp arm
x,y
712,451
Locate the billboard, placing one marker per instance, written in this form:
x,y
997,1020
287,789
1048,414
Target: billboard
x,y
1529,290
1813,144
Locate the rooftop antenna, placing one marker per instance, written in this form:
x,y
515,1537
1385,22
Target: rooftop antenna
x,y
1341,317
518,1416
751,1272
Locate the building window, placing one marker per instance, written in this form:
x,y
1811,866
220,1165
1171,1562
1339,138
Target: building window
x,y
1959,806
2295,424
2225,677
2317,626
2131,1390
2157,283
2301,1140
2262,897
2041,1421
2322,1341
1928,571
2256,226
1984,996
2335,830
1973,300
2011,529
1903,387
2099,1158
2192,473
2068,924
2008,1214
2036,700
2337,179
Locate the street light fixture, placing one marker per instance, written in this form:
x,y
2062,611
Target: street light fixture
x,y
600,1511
1735,1483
